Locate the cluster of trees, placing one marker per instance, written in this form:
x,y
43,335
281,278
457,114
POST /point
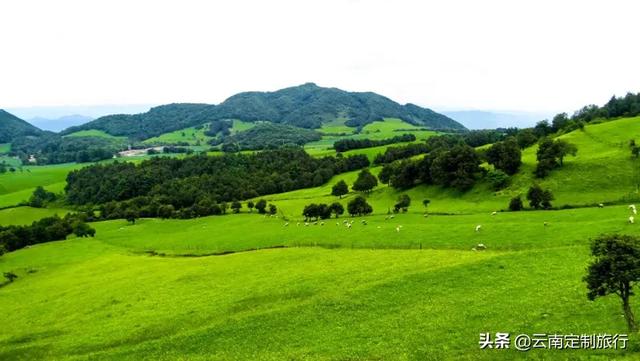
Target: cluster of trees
x,y
41,197
505,156
551,154
150,207
359,207
344,145
392,154
457,167
538,199
185,183
53,149
267,136
158,120
178,150
45,230
322,211
222,127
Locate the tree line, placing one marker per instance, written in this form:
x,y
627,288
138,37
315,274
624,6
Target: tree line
x,y
184,183
44,230
344,145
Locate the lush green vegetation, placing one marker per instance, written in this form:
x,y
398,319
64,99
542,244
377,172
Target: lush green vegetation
x,y
391,285
94,133
187,136
268,136
12,127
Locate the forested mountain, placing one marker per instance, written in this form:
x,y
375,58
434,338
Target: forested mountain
x,y
305,106
12,127
269,136
158,120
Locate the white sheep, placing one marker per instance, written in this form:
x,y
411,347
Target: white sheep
x,y
632,206
631,219
398,229
481,246
306,224
600,205
545,224
478,228
634,211
494,213
286,224
322,223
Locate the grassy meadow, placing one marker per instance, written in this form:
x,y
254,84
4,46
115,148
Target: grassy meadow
x,y
252,287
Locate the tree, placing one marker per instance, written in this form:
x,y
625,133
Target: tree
x,y
310,211
3,249
539,198
505,156
426,202
498,179
402,203
272,209
261,206
458,168
386,173
235,206
131,215
336,208
166,211
82,229
615,270
359,207
339,189
551,155
41,197
365,181
250,205
516,204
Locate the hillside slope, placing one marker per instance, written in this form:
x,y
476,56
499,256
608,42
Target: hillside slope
x,y
305,106
12,127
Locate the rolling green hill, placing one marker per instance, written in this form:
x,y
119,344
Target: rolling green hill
x,y
12,127
155,289
305,106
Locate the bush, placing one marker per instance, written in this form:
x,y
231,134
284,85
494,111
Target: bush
x,y
498,179
516,204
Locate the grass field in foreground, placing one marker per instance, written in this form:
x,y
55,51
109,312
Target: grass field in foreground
x,y
84,299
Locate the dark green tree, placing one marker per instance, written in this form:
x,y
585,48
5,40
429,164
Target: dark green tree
x,y
359,207
339,189
250,205
615,270
539,198
386,173
505,156
365,182
336,208
131,214
402,204
10,276
261,206
235,206
516,204
41,197
273,209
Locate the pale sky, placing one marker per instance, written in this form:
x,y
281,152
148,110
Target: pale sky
x,y
536,56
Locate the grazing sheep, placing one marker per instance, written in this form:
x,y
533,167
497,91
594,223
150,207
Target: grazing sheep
x,y
286,224
392,216
631,219
348,225
315,223
634,211
298,224
600,205
545,224
322,223
481,246
494,213
398,229
337,223
426,215
306,224
478,228
632,206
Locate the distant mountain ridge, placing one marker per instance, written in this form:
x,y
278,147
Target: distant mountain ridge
x,y
305,106
58,124
12,127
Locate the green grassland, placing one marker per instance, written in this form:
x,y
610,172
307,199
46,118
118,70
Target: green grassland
x,y
26,215
5,148
158,289
388,128
95,133
191,135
